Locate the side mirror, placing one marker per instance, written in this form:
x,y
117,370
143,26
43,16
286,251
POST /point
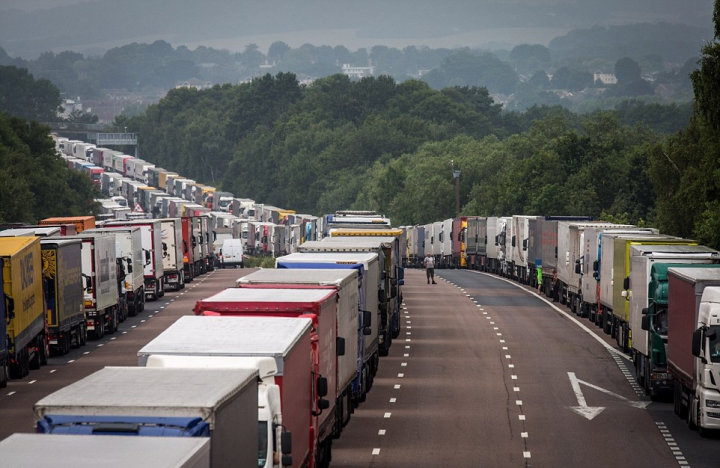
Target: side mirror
x,y
645,324
147,257
366,318
626,283
525,244
340,346
164,247
323,404
286,448
513,241
697,342
596,265
322,386
367,331
578,267
556,251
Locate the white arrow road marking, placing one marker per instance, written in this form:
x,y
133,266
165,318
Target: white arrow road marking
x,y
589,412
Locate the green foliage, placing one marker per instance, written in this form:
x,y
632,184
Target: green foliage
x,y
34,182
627,70
22,95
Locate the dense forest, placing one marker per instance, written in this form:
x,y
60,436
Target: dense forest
x,y
34,182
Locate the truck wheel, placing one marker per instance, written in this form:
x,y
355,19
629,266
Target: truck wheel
x,y
4,375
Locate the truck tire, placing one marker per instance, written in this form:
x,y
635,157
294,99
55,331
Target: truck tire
x,y
4,375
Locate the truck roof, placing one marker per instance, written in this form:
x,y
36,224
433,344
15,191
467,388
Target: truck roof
x,y
229,336
271,299
11,245
333,277
61,451
142,391
672,250
328,257
695,275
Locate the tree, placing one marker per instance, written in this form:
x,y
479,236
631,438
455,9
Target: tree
x,y
78,116
277,50
22,95
627,70
539,79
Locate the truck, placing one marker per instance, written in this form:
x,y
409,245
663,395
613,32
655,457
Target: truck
x,y
190,248
516,247
349,324
321,304
128,251
693,357
280,349
370,273
615,266
459,246
172,253
387,248
647,295
495,244
27,346
4,372
63,288
80,222
151,235
570,261
101,295
61,451
219,404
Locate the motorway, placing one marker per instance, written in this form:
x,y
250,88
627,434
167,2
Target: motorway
x,y
485,374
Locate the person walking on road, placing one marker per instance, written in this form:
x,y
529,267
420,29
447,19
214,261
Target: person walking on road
x,y
429,263
539,278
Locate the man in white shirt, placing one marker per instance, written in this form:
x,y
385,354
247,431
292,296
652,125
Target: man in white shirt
x,y
429,263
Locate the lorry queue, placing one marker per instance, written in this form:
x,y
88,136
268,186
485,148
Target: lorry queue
x,y
306,339
657,295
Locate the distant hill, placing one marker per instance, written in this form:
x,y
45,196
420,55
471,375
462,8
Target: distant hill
x,y
102,24
674,42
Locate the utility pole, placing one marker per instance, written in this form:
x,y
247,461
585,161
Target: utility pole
x,y
456,176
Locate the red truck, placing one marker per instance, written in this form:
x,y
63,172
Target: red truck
x,y
321,304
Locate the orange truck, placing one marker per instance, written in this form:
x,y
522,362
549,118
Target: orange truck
x,y
81,222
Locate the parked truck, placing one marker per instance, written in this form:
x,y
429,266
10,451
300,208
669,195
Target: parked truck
x,y
4,370
648,295
220,404
282,359
62,451
370,285
390,296
27,344
614,268
128,250
151,235
101,293
279,303
63,288
80,222
693,348
346,282
172,253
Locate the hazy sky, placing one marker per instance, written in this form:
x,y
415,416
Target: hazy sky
x,y
29,27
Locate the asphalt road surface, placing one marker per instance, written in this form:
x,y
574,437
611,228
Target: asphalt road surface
x,y
485,374
489,374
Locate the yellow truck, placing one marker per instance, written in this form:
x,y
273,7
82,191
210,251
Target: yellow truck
x,y
23,288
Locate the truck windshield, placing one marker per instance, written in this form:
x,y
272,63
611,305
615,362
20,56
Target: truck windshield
x,y
262,443
714,343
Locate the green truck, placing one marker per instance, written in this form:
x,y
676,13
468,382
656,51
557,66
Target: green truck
x,y
63,287
26,324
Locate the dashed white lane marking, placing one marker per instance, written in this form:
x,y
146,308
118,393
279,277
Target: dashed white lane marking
x,y
526,454
518,402
32,382
513,377
499,334
71,361
502,341
521,417
100,344
408,339
511,366
124,333
86,352
387,415
679,457
11,393
142,321
113,338
134,326
507,356
393,400
524,435
381,432
376,451
403,364
397,387
52,370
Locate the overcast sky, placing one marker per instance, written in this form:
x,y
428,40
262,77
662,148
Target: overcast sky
x,y
35,26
